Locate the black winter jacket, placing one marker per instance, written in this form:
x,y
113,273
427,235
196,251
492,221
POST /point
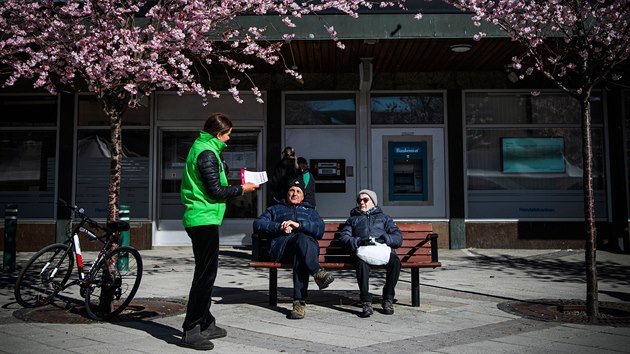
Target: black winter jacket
x,y
209,169
283,173
373,223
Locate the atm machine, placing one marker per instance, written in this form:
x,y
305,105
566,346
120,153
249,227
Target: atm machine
x,y
407,170
329,174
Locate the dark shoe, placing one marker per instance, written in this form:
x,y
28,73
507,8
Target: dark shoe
x,y
388,307
194,340
213,332
367,310
323,279
299,309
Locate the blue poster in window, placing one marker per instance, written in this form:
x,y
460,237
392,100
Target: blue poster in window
x,y
407,170
532,155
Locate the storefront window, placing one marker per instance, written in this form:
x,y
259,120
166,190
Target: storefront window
x,y
93,171
91,113
413,108
496,163
94,156
524,108
320,109
28,154
524,156
241,152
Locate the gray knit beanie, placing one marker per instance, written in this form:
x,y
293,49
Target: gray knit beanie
x,y
370,194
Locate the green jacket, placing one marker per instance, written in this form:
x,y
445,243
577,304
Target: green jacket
x,y
201,208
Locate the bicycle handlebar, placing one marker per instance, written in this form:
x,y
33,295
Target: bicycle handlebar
x,y
79,211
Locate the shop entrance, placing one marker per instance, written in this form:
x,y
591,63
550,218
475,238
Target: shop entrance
x,y
390,143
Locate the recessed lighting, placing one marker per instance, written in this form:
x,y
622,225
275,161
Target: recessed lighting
x,y
460,48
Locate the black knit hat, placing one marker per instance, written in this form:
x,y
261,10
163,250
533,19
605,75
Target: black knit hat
x,y
297,182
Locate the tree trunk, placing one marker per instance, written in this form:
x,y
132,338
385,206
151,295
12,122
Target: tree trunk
x,y
592,303
114,105
113,195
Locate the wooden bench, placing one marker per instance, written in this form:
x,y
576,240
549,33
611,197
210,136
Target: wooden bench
x,y
419,250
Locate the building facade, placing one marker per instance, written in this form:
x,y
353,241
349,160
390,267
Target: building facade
x,y
440,135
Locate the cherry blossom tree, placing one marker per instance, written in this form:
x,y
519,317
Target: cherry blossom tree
x,y
577,44
122,50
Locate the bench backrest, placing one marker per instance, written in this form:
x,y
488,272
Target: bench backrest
x,y
418,239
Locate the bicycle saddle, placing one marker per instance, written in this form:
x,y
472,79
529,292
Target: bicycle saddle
x,y
118,225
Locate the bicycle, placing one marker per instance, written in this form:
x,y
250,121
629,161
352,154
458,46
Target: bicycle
x,y
107,286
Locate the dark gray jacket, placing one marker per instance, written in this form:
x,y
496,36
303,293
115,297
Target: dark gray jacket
x,y
373,223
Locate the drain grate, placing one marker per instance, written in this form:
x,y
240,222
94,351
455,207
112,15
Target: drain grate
x,y
614,314
138,309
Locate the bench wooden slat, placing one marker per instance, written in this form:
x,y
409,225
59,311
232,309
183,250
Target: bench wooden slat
x,y
418,250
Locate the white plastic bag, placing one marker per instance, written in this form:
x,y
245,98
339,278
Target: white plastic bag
x,y
376,254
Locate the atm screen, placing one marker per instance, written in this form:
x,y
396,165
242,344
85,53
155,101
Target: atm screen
x,y
328,171
403,179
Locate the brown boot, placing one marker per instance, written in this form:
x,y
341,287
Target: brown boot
x,y
388,307
299,309
323,279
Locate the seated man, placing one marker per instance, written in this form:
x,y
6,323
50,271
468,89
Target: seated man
x,y
296,227
367,221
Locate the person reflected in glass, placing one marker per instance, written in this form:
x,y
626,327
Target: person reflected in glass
x,y
309,181
285,170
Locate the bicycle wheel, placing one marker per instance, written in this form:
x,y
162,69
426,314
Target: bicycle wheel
x,y
44,275
113,283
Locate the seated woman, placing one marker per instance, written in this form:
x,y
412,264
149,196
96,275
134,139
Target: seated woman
x,y
368,222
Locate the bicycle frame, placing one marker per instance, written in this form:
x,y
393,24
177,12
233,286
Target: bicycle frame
x,y
74,242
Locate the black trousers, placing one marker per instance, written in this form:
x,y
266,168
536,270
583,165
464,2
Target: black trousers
x,y
205,245
391,278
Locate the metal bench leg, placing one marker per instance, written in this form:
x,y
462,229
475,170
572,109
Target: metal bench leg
x,y
415,287
273,287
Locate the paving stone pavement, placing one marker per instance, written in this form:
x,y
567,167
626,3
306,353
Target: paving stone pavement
x,y
458,311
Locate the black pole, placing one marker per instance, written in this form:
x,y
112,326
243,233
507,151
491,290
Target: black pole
x,y
10,230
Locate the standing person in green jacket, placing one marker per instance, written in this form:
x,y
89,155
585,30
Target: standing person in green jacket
x,y
204,192
309,181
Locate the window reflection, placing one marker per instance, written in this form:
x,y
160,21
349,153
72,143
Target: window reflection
x,y
20,111
524,108
93,171
28,149
320,109
420,108
91,113
485,170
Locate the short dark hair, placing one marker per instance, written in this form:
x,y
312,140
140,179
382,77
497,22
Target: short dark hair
x,y
217,123
302,160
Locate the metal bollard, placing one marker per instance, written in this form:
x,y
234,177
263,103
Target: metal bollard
x,y
123,257
10,231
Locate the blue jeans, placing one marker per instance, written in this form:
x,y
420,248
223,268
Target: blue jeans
x,y
303,251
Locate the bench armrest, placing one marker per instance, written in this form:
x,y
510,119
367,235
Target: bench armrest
x,y
256,247
434,247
